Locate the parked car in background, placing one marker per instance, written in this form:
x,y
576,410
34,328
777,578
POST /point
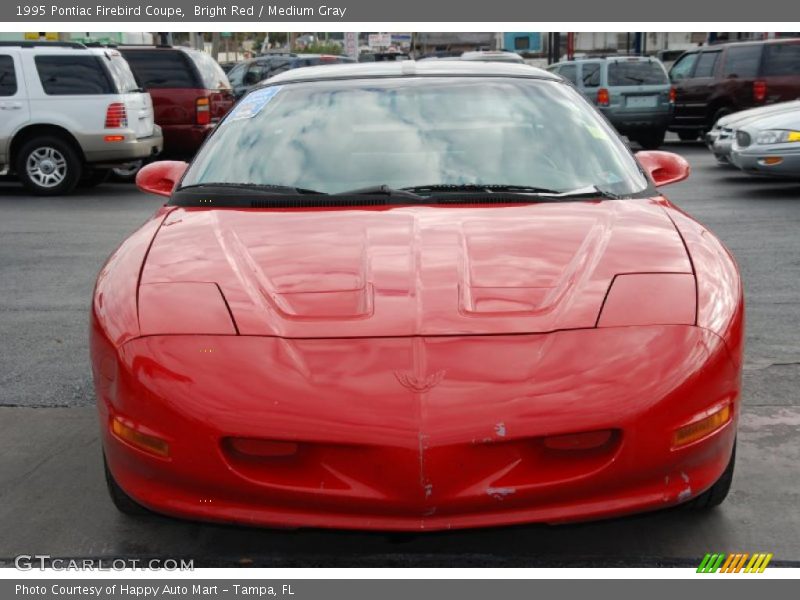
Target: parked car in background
x,y
249,73
714,81
505,56
633,93
68,114
190,91
769,145
720,138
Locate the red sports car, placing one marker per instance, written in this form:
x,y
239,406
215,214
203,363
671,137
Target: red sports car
x,y
423,296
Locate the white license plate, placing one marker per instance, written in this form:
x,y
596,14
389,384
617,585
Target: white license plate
x,y
641,101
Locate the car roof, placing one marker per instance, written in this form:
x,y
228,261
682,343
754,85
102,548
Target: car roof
x,y
723,45
410,68
621,58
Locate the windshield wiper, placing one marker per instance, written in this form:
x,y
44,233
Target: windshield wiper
x,y
590,191
478,188
255,187
382,190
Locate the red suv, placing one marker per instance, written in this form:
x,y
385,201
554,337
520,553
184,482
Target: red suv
x,y
717,80
190,92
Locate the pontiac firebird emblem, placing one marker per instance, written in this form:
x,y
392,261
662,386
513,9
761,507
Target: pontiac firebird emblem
x,y
419,384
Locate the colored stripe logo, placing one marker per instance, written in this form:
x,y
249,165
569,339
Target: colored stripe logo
x,y
719,562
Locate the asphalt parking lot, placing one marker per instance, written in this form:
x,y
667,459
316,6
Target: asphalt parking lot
x,y
52,494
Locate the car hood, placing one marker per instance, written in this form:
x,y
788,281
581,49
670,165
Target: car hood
x,y
789,119
400,271
752,114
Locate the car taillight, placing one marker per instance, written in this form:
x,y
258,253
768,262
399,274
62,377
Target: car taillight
x,y
603,99
203,111
673,95
759,91
116,116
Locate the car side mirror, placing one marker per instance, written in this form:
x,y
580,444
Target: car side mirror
x,y
161,177
663,167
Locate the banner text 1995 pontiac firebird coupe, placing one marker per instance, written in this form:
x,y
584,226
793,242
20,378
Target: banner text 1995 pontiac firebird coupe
x,y
410,296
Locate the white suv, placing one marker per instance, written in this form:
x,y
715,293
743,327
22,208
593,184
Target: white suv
x,y
68,114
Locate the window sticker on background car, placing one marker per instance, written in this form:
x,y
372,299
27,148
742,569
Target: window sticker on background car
x,y
254,103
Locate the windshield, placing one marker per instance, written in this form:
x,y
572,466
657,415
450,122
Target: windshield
x,y
337,136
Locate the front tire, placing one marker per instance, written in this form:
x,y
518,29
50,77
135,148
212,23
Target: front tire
x,y
48,166
716,494
688,136
124,503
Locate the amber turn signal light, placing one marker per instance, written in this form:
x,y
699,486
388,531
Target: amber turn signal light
x,y
137,439
701,428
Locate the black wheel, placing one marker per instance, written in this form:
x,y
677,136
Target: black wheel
x,y
716,494
124,503
94,178
48,166
688,136
652,140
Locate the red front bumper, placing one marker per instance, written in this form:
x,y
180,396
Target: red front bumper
x,y
417,433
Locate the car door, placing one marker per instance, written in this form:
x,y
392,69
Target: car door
x,y
14,105
681,76
698,90
71,89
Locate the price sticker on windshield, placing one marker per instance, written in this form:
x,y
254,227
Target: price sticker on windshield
x,y
254,103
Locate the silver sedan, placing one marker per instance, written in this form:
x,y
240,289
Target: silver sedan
x,y
720,138
769,146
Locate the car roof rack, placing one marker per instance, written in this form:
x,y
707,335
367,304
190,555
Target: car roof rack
x,y
44,44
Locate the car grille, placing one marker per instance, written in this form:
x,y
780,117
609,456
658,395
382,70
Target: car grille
x,y
743,139
725,133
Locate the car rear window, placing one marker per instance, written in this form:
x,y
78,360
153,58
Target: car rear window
x,y
569,72
73,75
782,59
622,73
121,73
8,79
158,69
213,76
591,75
742,61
